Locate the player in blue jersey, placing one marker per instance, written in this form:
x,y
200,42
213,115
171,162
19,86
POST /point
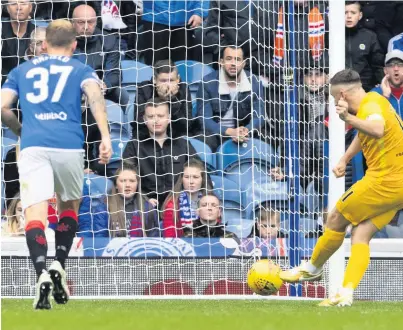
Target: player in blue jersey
x,y
51,160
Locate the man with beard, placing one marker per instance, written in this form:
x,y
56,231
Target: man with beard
x,y
230,100
392,84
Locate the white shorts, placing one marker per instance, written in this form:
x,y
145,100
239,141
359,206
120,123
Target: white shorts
x,y
45,171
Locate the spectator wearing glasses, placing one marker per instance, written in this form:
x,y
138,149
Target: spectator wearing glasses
x,y
100,51
392,84
36,44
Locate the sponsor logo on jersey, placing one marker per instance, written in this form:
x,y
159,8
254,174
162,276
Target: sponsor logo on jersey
x,y
51,116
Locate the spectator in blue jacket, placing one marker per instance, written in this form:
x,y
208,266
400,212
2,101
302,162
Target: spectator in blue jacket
x,y
392,84
124,213
230,100
168,29
396,43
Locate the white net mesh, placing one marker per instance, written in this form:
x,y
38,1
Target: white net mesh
x,y
246,84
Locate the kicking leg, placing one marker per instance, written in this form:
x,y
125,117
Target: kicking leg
x,y
65,233
35,216
327,244
359,259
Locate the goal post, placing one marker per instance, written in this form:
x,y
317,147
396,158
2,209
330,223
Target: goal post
x,y
336,131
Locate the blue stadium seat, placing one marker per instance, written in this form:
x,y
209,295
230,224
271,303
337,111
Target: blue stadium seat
x,y
205,153
8,133
6,145
118,147
246,162
192,72
134,72
229,194
242,228
3,198
231,153
117,119
263,190
96,186
41,23
306,225
194,108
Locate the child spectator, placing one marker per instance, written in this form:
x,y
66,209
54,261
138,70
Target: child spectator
x,y
209,222
124,213
267,225
180,207
363,51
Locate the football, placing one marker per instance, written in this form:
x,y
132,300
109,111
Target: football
x,y
263,277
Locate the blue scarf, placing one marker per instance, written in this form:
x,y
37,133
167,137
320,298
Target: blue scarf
x,y
187,214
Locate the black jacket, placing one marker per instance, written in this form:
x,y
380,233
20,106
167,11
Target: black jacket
x,y
384,18
158,166
13,49
228,24
201,230
92,137
350,134
101,52
182,123
365,55
11,176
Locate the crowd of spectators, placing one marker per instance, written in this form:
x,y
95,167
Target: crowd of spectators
x,y
162,187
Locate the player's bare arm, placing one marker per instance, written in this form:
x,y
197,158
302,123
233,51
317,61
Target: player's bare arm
x,y
97,105
7,116
373,126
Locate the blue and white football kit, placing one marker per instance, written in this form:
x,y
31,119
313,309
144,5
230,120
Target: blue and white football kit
x,y
49,89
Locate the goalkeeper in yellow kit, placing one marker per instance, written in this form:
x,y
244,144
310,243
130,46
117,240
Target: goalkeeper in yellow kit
x,y
370,203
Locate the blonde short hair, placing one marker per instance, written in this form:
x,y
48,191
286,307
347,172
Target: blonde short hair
x,y
60,33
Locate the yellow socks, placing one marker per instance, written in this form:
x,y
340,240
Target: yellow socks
x,y
327,244
357,265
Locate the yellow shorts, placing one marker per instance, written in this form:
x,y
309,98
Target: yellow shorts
x,y
371,198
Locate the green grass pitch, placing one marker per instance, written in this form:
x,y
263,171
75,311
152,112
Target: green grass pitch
x,y
200,314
